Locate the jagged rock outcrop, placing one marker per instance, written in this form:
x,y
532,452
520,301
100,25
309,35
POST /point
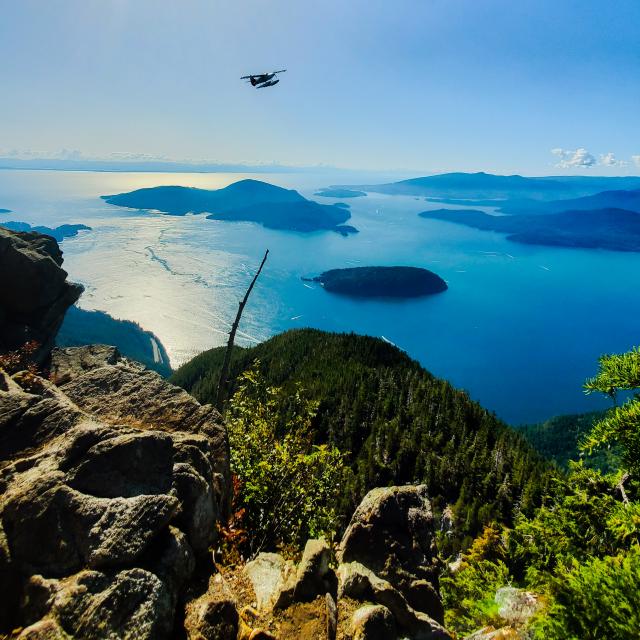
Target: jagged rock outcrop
x,y
133,603
385,585
113,482
34,293
388,556
359,583
277,583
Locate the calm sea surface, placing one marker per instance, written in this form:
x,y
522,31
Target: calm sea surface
x,y
519,328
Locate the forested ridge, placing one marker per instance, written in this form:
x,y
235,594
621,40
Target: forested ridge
x,y
397,423
558,439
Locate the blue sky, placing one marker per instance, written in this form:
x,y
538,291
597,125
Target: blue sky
x,y
422,85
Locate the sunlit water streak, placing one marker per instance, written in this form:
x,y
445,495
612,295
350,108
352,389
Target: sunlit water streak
x,y
520,326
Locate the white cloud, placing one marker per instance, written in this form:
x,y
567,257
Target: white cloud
x,y
568,158
609,159
30,154
636,160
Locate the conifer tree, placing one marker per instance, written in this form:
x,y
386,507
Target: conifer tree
x,y
621,425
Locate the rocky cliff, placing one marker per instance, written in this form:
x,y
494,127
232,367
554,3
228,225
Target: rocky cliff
x,y
113,481
34,292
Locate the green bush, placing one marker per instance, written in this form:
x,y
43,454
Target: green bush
x,y
595,600
468,591
573,524
287,487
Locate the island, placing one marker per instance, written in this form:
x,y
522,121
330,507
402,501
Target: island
x,y
59,233
612,229
381,282
339,192
5,211
243,201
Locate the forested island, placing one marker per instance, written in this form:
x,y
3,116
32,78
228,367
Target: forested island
x,y
246,201
612,229
381,282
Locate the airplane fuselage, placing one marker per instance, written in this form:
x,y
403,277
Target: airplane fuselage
x,y
265,77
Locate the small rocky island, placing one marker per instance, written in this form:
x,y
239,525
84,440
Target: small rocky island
x,y
381,282
339,192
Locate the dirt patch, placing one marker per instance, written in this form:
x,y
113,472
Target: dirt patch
x,y
301,621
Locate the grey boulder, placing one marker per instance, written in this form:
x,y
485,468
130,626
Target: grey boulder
x,y
392,533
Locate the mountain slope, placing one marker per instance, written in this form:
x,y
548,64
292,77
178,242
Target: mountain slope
x,y
399,423
81,327
558,439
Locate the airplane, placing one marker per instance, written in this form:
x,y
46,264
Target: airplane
x,y
263,80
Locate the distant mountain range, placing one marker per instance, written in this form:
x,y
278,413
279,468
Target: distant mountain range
x,y
246,200
487,185
613,229
622,199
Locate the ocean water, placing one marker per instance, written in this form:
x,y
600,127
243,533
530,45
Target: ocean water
x,y
520,327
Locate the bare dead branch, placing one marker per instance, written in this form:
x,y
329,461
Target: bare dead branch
x,y
223,383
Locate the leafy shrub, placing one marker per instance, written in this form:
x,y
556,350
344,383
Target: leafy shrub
x,y
468,590
595,600
573,524
288,487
